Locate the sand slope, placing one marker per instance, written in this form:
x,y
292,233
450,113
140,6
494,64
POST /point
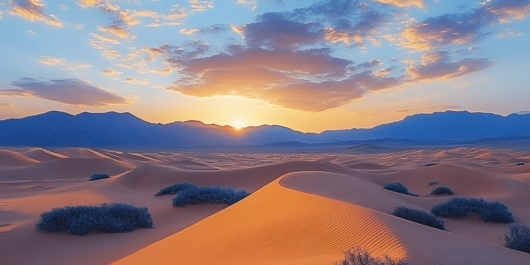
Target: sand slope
x,y
305,208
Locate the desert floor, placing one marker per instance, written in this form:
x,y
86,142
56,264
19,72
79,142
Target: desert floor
x,y
306,206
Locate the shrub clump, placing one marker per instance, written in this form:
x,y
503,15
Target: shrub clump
x,y
441,190
213,195
360,256
97,176
431,182
80,220
459,208
518,238
419,216
175,188
398,187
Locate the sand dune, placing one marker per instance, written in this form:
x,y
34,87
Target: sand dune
x,y
274,226
42,155
305,208
14,159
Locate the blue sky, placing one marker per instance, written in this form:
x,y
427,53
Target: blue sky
x,y
308,65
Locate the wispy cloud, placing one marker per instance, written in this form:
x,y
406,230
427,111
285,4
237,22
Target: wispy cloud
x,y
252,4
110,71
52,61
461,28
106,39
6,104
69,91
200,6
189,31
508,33
33,10
402,3
438,65
136,81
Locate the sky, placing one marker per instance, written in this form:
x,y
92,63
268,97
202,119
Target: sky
x,y
304,64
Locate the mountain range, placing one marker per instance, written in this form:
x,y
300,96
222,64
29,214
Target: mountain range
x,y
112,129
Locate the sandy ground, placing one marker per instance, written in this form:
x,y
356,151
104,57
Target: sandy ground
x,y
305,207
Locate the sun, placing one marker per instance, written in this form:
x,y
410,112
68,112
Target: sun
x,y
238,124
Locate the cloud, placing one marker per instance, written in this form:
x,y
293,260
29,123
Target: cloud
x,y
33,10
1,14
508,33
52,61
106,39
351,22
189,31
117,30
5,104
439,65
252,4
430,108
110,71
105,49
461,28
402,3
69,91
308,80
200,6
136,81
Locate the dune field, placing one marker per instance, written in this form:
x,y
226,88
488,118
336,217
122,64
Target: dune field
x,y
305,207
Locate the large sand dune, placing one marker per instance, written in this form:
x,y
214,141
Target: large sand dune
x,y
305,208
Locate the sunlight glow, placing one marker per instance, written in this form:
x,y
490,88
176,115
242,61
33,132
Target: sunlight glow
x,y
238,124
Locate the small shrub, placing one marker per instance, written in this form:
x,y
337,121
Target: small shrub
x,y
430,164
432,182
459,208
419,216
80,220
175,188
441,190
398,187
520,164
360,256
97,176
518,238
213,195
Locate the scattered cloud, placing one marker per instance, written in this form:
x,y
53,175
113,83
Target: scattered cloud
x,y
189,31
31,32
110,71
508,33
105,49
402,3
62,62
105,39
69,91
461,28
200,6
252,4
1,14
136,81
117,30
439,65
33,10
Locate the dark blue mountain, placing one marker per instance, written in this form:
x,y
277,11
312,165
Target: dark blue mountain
x,y
112,129
449,126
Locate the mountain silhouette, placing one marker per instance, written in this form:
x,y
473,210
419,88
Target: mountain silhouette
x,y
112,129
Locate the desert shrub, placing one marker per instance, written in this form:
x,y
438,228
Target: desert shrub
x,y
419,216
459,208
97,176
520,164
213,195
175,188
398,187
80,220
430,164
440,190
360,256
518,238
431,182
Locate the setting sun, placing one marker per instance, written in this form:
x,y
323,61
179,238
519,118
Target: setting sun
x,y
238,124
